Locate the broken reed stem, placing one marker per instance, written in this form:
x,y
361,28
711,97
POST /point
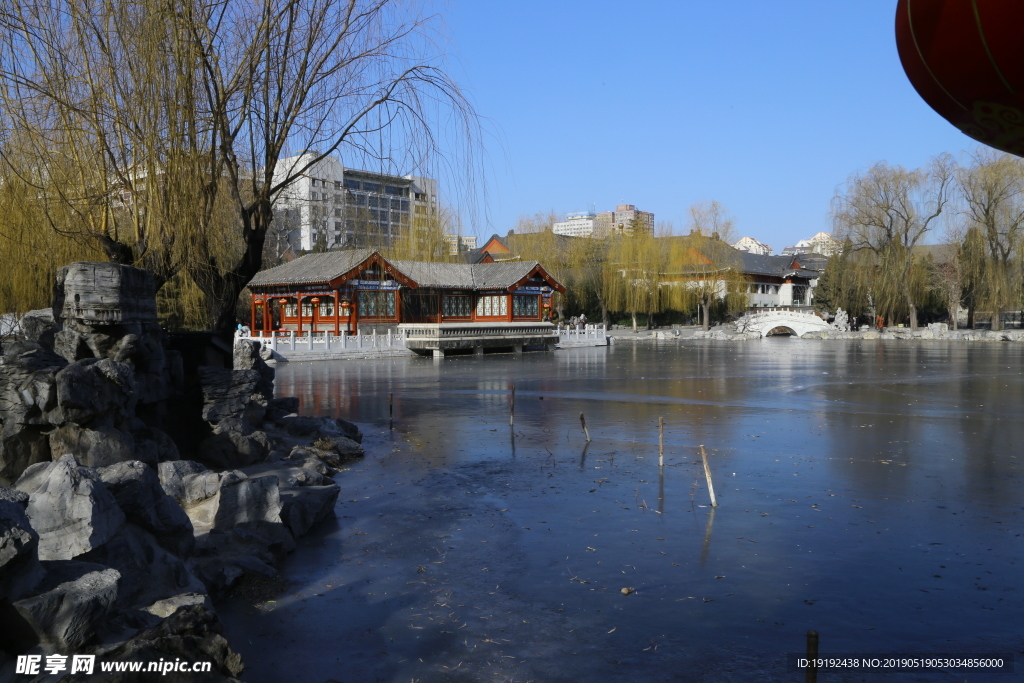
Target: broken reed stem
x,y
583,423
661,442
512,407
811,673
707,473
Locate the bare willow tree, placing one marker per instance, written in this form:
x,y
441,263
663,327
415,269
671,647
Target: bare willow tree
x,y
638,261
158,125
708,269
887,211
845,283
992,189
432,237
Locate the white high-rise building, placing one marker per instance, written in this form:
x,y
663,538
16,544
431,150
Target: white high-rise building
x,y
579,224
822,243
345,207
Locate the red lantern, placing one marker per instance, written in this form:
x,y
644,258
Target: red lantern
x,y
315,300
965,58
282,301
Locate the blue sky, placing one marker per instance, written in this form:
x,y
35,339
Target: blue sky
x,y
764,105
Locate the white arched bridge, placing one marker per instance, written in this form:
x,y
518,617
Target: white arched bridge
x,y
782,320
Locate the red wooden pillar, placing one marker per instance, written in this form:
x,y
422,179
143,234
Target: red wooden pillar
x,y
440,307
337,311
252,313
353,321
298,312
508,298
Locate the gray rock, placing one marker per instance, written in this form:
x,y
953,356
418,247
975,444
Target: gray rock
x,y
20,570
312,472
191,634
104,294
279,408
232,393
249,500
154,446
137,490
302,507
189,482
27,382
246,356
38,325
346,448
99,447
230,449
148,571
70,509
298,425
67,617
350,430
101,390
9,495
21,446
168,606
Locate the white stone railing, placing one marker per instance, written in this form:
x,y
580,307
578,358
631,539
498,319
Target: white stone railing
x,y
591,333
448,330
325,341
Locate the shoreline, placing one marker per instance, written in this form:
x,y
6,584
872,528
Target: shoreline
x,y
723,333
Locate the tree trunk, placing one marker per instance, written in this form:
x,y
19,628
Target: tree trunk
x,y
997,319
970,317
650,320
223,289
604,315
913,318
633,314
953,310
705,317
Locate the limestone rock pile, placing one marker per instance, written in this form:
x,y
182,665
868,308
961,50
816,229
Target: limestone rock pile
x,y
110,543
86,373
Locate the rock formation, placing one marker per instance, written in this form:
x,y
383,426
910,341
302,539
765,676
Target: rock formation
x,y
110,543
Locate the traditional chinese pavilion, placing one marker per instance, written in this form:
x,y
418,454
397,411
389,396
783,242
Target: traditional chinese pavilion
x,y
437,306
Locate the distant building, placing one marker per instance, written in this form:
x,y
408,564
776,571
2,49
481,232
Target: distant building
x,y
459,243
822,243
622,221
580,224
334,206
752,246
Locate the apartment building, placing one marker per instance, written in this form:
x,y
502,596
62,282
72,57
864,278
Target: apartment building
x,y
623,221
338,207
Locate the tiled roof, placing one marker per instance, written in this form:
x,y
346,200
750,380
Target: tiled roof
x,y
778,266
321,268
313,268
465,275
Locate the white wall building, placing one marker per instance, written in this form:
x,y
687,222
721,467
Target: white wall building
x,y
750,245
344,207
580,224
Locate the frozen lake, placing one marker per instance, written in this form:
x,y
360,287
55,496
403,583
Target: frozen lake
x,y
871,491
